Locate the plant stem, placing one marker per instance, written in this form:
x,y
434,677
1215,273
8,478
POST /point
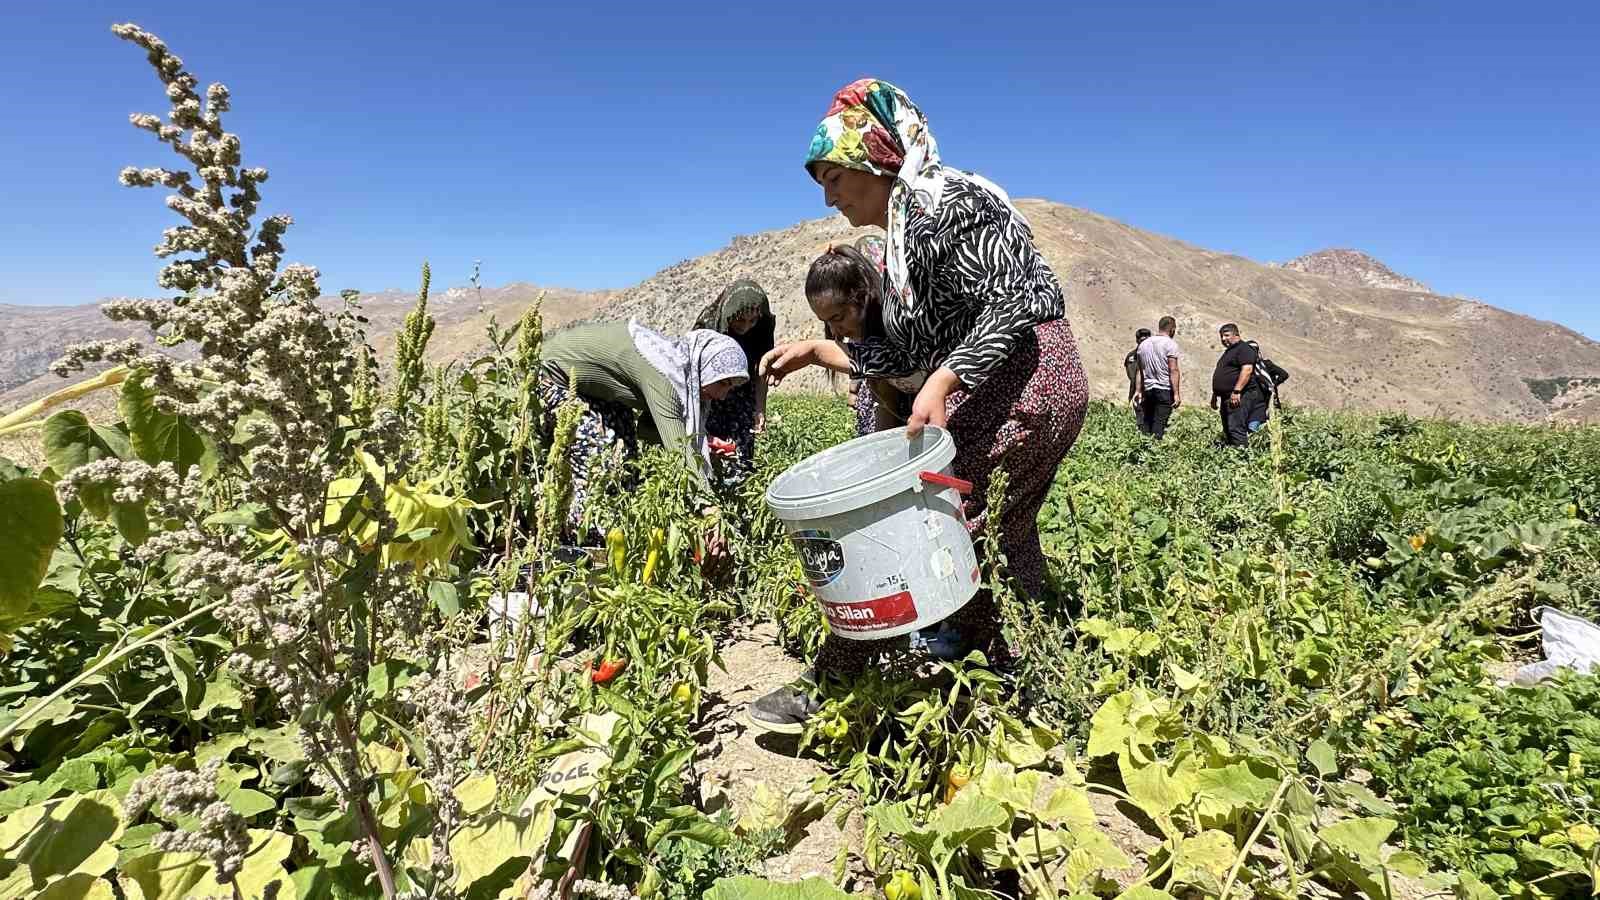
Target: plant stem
x,y
95,669
1255,835
380,862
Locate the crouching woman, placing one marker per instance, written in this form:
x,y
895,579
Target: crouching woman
x,y
636,385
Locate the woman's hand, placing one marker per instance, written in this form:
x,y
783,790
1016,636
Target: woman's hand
x,y
783,359
761,423
928,407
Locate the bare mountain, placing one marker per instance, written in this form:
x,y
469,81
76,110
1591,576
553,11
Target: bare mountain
x,y
1346,342
1341,322
1354,267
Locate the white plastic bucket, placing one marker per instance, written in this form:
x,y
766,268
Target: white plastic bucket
x,y
880,531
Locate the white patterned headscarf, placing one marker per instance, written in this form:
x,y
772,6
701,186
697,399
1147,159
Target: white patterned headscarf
x,y
872,126
689,363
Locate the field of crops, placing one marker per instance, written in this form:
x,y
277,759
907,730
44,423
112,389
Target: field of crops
x,y
252,647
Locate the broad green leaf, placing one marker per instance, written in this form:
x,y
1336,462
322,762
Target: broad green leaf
x,y
1156,789
71,440
30,520
247,802
1359,839
968,815
476,794
1183,678
81,886
1144,893
485,845
750,887
1323,758
1233,789
177,876
156,436
79,776
442,594
220,693
1065,804
73,835
1204,856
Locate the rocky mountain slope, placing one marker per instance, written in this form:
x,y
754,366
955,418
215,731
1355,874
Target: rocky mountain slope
x,y
1354,267
1346,341
1352,332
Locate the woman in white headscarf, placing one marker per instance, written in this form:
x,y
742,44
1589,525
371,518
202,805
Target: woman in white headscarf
x,y
636,384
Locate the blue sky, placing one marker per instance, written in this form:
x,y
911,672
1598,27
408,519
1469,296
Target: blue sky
x,y
589,145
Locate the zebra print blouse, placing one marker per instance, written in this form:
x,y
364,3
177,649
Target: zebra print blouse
x,y
981,286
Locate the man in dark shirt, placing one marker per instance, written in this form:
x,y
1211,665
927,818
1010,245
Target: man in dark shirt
x,y
1130,365
1236,394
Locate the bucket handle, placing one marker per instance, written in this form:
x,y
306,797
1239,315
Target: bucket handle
x,y
950,481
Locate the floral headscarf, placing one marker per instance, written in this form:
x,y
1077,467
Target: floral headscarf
x,y
699,358
872,126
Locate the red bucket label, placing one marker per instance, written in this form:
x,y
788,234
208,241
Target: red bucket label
x,y
871,615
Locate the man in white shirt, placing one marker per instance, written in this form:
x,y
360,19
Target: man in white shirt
x,y
1159,382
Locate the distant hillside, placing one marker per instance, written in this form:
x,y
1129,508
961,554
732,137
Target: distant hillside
x,y
1355,267
1352,332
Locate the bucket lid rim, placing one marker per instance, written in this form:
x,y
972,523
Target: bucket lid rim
x,y
937,440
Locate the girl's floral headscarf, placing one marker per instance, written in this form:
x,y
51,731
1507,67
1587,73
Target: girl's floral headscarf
x,y
872,126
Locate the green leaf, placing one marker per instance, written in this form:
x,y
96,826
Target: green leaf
x,y
389,676
176,876
1183,678
30,520
1359,839
443,596
71,440
1156,789
1233,789
73,835
247,802
220,693
750,887
81,886
1144,893
1204,857
969,815
476,793
1322,756
154,435
485,847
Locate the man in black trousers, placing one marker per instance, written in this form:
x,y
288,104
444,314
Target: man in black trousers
x,y
1236,393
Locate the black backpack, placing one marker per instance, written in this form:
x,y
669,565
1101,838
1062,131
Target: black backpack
x,y
1269,373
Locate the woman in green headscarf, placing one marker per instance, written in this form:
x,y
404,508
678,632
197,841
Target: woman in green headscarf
x,y
743,313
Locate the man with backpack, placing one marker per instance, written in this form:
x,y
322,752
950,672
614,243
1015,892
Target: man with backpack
x,y
1237,390
1130,365
1159,379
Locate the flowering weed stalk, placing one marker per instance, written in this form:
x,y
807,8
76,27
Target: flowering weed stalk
x,y
281,393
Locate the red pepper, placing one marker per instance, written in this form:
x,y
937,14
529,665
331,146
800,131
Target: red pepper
x,y
609,669
722,447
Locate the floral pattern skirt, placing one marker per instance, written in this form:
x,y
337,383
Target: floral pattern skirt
x,y
604,425
1023,419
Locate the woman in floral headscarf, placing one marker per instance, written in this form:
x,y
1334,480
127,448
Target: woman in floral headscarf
x,y
741,312
621,370
971,314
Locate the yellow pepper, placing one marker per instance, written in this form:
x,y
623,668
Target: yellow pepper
x,y
684,695
617,551
902,886
657,539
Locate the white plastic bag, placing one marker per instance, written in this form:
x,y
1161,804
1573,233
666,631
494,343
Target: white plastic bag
x,y
1568,641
